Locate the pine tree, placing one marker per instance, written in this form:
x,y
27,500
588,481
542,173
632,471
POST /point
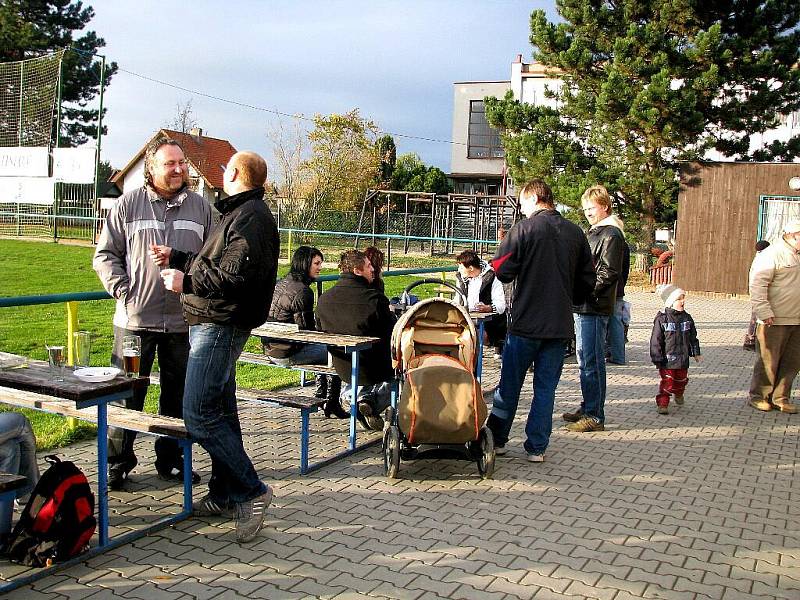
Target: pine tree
x,y
31,28
648,84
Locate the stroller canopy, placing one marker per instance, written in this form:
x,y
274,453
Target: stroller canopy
x,y
434,326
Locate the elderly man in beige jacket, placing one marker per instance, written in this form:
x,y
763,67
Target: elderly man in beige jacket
x,y
775,295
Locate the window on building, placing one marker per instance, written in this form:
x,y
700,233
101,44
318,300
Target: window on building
x,y
483,140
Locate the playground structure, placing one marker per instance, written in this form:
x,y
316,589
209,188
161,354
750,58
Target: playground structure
x,y
437,224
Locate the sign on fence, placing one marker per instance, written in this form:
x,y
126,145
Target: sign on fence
x,y
74,165
27,190
24,162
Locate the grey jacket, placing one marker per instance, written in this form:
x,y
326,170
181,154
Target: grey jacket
x,y
141,218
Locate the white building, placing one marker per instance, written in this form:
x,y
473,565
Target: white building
x,y
477,163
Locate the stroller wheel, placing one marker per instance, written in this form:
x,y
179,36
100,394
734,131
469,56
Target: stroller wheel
x,y
391,451
485,453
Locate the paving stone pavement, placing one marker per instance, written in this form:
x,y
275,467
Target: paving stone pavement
x,y
701,503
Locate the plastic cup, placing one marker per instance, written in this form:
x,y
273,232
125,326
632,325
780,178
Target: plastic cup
x,y
81,348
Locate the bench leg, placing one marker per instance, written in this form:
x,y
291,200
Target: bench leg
x,y
102,472
304,437
302,379
479,366
353,400
186,445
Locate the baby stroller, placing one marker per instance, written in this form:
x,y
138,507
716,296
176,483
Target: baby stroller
x,y
440,410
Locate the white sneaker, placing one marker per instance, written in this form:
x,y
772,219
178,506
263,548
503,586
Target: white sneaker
x,y
535,457
500,450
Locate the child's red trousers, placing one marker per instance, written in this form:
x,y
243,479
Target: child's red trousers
x,y
673,381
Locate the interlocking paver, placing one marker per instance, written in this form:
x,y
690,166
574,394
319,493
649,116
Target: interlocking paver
x,y
697,503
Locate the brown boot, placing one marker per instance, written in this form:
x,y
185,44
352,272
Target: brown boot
x,y
761,405
786,407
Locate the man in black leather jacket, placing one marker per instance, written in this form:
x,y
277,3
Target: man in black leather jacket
x,y
607,244
227,290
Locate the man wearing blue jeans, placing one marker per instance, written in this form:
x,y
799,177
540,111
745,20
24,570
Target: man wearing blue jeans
x,y
618,322
227,290
549,258
607,245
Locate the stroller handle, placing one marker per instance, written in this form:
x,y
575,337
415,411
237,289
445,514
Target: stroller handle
x,y
461,297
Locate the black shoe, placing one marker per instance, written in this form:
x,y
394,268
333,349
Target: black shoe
x,y
368,420
118,474
176,474
333,408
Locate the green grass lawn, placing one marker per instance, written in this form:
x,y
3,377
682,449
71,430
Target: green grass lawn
x,y
39,268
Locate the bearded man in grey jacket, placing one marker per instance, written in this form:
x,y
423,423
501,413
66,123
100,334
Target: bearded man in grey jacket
x,y
162,212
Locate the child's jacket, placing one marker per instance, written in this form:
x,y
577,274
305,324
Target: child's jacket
x,y
674,339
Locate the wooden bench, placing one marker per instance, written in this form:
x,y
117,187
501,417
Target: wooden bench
x,y
118,416
264,360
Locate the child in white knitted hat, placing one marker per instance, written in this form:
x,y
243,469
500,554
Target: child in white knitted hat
x,y
673,341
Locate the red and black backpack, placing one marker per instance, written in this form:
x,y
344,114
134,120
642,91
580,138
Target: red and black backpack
x,y
58,520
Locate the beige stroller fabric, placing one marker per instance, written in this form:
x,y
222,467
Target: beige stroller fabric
x,y
433,344
441,402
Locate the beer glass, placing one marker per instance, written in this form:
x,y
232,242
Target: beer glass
x,y
131,353
56,357
81,348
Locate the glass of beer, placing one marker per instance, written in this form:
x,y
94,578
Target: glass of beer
x,y
56,357
131,353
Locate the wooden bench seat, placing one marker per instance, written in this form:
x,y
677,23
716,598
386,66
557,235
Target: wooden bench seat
x,y
262,359
117,415
281,399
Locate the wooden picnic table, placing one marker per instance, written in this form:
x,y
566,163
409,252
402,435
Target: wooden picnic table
x,y
31,385
352,344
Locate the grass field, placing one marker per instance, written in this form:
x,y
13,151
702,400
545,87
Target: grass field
x,y
39,268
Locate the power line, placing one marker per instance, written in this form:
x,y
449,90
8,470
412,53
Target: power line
x,y
298,116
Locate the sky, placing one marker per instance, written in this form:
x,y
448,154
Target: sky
x,y
396,61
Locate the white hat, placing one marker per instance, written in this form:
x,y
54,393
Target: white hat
x,y
670,294
792,226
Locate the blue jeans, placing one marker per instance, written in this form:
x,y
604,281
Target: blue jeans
x,y
590,343
211,415
309,354
18,450
616,334
547,357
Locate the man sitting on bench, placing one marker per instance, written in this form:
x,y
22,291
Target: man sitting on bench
x,y
18,451
353,307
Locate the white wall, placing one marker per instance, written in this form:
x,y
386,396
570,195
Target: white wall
x,y
463,93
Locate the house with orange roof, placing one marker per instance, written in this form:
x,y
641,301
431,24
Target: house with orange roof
x,y
207,157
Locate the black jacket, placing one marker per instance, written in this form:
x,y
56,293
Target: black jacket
x,y
292,302
231,280
608,248
352,307
674,339
549,258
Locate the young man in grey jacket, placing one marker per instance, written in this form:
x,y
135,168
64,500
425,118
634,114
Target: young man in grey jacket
x,y
162,212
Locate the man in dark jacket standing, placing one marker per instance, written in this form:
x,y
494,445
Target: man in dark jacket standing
x,y
227,290
549,259
591,317
354,307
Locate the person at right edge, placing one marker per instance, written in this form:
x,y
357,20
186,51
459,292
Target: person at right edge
x,y
607,244
227,290
775,296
